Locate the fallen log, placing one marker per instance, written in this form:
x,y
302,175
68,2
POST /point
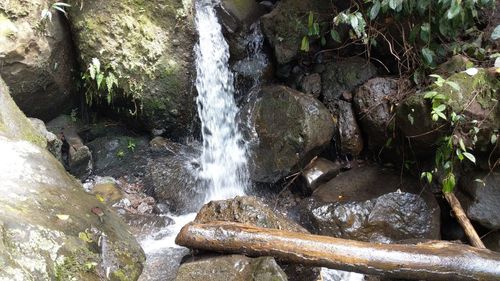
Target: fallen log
x,y
437,260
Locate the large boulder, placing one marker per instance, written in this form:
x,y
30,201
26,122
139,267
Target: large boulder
x,y
344,75
372,204
286,25
50,228
373,102
148,46
290,128
481,200
476,100
231,267
171,176
36,57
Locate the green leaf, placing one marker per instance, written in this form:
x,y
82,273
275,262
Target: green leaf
x,y
449,183
440,108
470,157
496,33
99,79
454,85
462,144
310,20
335,35
305,44
454,9
353,20
375,9
440,114
430,95
316,28
493,139
425,32
428,55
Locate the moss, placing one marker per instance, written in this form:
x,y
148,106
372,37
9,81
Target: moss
x,y
77,265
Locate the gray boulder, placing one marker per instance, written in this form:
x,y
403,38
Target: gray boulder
x,y
351,139
36,58
482,202
171,176
289,129
372,204
231,267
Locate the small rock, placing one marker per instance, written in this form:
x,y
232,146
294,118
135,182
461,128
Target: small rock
x,y
321,171
351,140
109,192
311,85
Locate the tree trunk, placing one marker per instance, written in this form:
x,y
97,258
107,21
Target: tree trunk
x,y
432,260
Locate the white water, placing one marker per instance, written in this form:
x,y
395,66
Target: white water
x,y
224,158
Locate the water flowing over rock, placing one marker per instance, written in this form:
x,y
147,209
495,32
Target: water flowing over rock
x,y
36,58
371,204
223,160
148,46
290,128
482,202
231,267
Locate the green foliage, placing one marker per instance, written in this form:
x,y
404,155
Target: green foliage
x,y
313,31
131,145
97,82
451,147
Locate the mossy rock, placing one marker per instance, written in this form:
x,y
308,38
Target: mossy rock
x,y
49,227
477,99
148,46
36,58
13,123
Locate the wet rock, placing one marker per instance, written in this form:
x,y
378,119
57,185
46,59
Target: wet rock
x,y
142,225
171,178
492,241
351,140
373,103
474,101
321,171
290,128
239,14
149,50
286,24
311,85
344,75
13,123
108,191
371,204
54,144
36,56
116,156
482,202
79,156
50,231
248,210
231,267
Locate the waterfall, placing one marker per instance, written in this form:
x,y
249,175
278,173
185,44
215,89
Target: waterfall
x,y
224,158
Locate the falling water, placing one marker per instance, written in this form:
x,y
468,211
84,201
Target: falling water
x,y
223,160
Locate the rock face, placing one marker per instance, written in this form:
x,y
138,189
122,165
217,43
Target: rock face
x,y
171,177
149,51
13,123
371,204
290,127
344,75
47,221
372,102
285,26
231,267
54,144
36,58
475,101
482,203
